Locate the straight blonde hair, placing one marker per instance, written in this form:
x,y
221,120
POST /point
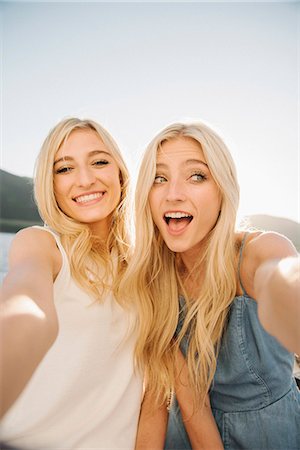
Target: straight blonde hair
x,y
86,253
153,279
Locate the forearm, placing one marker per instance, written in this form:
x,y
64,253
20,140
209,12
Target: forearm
x,y
277,288
26,335
152,425
28,318
200,424
198,421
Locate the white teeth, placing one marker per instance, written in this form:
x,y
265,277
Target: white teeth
x,y
176,215
88,198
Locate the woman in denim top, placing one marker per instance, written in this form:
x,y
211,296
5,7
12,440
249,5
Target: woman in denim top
x,y
254,397
239,308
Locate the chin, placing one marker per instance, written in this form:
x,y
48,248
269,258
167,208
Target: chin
x,y
176,247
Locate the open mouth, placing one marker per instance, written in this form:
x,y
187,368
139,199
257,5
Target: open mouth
x,y
177,218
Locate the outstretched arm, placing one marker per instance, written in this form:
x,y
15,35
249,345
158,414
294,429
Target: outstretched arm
x,y
277,287
199,423
28,319
271,275
152,425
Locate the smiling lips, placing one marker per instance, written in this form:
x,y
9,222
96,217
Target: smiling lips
x,y
177,221
87,198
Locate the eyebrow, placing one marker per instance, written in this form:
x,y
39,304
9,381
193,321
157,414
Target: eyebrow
x,y
70,158
189,162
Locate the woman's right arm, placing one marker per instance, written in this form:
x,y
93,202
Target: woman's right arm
x,y
28,319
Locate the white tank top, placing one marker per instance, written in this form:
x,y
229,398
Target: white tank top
x,y
85,393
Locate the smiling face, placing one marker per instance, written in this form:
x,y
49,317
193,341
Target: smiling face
x,y
86,180
185,200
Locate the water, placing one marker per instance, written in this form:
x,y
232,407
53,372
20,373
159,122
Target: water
x,y
5,240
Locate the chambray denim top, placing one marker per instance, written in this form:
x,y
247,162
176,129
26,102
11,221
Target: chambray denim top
x,y
254,397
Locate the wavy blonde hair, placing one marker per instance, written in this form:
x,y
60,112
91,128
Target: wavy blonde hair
x,y
84,250
153,278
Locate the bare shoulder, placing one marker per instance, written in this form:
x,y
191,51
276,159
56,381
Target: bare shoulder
x,y
34,244
31,240
261,246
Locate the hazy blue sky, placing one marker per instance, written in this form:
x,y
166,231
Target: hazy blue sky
x,y
136,67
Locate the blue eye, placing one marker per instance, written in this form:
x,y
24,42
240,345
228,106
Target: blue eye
x,y
198,177
159,179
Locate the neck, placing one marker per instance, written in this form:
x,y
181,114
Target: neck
x,y
193,258
191,274
100,230
192,267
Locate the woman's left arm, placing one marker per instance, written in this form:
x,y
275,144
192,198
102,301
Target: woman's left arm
x,y
276,287
198,420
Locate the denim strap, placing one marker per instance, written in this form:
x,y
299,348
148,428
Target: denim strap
x,y
240,261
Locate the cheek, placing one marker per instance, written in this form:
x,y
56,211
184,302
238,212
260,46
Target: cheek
x,y
155,213
57,190
60,192
59,185
60,200
212,197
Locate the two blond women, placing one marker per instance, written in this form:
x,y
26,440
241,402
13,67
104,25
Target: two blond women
x,y
195,283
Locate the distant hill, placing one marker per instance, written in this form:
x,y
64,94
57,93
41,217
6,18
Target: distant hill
x,y
17,207
18,210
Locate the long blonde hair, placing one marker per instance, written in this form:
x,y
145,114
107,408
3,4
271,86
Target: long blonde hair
x,y
84,251
153,278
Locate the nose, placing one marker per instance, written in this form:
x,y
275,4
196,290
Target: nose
x,y
175,192
85,177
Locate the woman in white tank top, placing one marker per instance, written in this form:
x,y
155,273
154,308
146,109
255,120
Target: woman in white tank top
x,y
68,376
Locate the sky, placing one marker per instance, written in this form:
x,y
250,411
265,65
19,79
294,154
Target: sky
x,y
137,67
